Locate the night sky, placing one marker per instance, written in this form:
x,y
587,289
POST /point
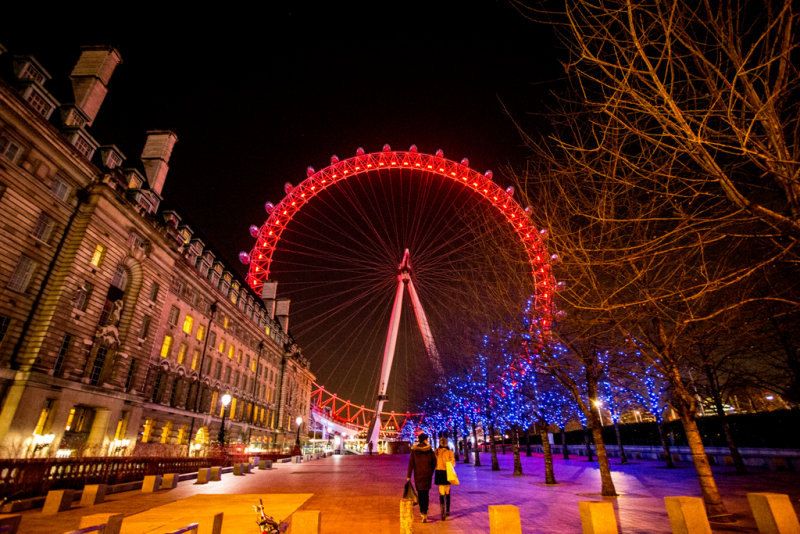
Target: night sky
x,y
255,98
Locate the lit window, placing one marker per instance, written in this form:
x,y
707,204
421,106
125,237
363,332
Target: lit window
x,y
99,255
253,365
188,323
221,348
201,332
166,346
195,359
44,227
182,353
22,274
147,430
42,422
225,322
231,350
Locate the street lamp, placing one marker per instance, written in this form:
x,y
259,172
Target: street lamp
x,y
299,422
598,404
226,400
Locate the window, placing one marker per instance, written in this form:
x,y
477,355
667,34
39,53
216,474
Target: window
x,y
145,329
212,338
195,359
135,241
172,319
182,353
225,322
120,279
201,332
83,146
41,424
40,104
62,354
9,148
221,348
43,228
166,346
60,188
130,376
177,286
239,356
218,370
83,295
22,274
227,376
188,323
99,255
231,351
154,289
97,366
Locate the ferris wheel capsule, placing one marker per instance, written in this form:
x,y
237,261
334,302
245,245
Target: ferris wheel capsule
x,y
253,230
439,153
528,208
334,159
310,171
244,257
360,151
488,175
412,148
287,187
465,162
268,207
387,148
510,190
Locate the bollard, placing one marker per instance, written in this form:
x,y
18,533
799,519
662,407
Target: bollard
x,y
305,522
203,475
504,519
406,516
216,474
238,470
10,522
113,522
151,483
687,515
93,494
58,501
170,480
597,517
774,513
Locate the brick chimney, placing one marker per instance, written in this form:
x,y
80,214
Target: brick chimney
x,y
155,157
282,313
90,78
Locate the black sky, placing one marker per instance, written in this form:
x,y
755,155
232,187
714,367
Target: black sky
x,y
257,96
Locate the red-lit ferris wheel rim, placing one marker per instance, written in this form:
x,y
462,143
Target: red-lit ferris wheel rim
x,y
269,234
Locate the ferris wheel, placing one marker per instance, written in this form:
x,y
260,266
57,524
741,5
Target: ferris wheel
x,y
346,242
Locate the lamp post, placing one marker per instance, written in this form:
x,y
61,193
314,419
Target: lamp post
x,y
226,400
299,422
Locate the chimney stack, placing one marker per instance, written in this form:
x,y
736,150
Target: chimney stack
x,y
155,157
90,78
282,313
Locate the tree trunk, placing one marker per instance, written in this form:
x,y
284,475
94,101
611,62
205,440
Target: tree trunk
x,y
477,446
588,444
714,505
622,458
528,441
455,446
493,449
726,428
515,450
549,474
606,484
665,444
503,443
564,449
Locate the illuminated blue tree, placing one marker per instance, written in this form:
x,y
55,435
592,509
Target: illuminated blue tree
x,y
651,390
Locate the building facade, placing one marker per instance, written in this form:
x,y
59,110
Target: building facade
x,y
120,330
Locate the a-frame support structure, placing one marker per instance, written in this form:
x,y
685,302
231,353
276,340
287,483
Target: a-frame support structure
x,y
403,281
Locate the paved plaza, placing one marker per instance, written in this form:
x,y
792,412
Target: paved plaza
x,y
361,494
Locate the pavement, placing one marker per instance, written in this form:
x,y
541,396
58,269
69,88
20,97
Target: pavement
x,y
361,494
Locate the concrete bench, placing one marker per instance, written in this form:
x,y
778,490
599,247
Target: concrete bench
x,y
111,523
210,523
597,517
774,513
216,474
10,522
93,494
170,480
504,519
238,470
203,475
152,483
687,515
265,464
58,501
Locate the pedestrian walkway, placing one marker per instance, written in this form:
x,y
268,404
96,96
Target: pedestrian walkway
x,y
361,494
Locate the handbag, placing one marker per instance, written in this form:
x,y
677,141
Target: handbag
x,y
452,478
410,494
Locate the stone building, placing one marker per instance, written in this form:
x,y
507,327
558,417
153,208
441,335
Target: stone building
x,y
120,330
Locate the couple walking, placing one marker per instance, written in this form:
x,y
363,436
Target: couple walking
x,y
426,463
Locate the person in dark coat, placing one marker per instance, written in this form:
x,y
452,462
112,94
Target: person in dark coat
x,y
422,462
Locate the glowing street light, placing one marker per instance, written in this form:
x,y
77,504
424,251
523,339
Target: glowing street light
x,y
299,422
226,400
598,404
